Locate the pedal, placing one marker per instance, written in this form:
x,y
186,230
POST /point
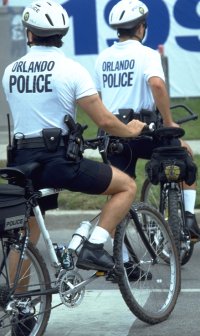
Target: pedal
x,y
195,240
100,273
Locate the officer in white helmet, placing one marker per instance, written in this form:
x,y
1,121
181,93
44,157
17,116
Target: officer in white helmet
x,y
130,78
41,88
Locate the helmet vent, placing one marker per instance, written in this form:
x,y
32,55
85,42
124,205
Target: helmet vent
x,y
49,19
122,14
63,19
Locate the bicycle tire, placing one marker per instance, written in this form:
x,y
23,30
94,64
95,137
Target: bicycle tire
x,y
174,219
39,280
151,194
152,301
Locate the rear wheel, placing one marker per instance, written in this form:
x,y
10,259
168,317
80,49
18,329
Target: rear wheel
x,y
26,311
152,296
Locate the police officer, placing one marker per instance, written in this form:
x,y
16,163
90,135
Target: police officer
x,y
129,75
41,88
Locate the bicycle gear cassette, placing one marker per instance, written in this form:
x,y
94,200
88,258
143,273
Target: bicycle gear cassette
x,y
69,295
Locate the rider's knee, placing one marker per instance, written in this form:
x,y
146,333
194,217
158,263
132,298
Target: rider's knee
x,y
131,186
185,145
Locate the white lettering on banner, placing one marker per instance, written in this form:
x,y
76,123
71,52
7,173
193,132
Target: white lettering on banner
x,y
173,23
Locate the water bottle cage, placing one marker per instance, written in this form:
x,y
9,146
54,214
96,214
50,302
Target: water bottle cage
x,y
83,239
64,257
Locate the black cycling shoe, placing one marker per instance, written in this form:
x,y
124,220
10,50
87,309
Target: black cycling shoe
x,y
133,272
94,257
24,328
192,226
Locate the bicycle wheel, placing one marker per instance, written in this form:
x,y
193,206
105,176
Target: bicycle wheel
x,y
151,194
26,311
146,235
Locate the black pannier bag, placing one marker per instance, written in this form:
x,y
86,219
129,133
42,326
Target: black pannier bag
x,y
12,207
171,164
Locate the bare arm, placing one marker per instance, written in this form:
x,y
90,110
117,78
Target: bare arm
x,y
104,119
161,99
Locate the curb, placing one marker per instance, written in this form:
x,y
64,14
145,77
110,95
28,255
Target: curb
x,y
67,219
64,219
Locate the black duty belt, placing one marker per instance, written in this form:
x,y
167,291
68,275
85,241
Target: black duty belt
x,y
36,143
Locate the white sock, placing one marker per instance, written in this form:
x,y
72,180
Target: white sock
x,y
189,200
125,254
99,235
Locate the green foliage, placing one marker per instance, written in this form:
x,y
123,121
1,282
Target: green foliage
x,y
83,119
74,200
191,128
70,200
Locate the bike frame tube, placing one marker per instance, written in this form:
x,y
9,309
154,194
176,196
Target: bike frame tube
x,y
45,233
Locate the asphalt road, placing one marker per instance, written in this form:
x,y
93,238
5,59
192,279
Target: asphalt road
x,y
103,311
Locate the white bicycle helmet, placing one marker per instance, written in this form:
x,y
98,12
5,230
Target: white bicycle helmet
x,y
45,18
127,14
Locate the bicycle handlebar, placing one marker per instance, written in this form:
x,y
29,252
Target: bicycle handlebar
x,y
192,116
102,142
113,143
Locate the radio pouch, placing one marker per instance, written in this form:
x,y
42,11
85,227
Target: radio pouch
x,y
125,115
51,137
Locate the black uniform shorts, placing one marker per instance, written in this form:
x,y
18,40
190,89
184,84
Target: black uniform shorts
x,y
86,176
141,148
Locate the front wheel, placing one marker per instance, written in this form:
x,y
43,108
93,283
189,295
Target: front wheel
x,y
153,195
153,294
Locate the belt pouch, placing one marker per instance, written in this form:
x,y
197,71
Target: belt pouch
x,y
51,137
125,115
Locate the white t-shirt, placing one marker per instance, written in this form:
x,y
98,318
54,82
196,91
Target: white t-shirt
x,y
122,73
42,87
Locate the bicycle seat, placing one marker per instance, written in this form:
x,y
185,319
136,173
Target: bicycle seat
x,y
18,172
169,132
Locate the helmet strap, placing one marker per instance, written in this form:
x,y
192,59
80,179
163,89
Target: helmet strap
x,y
29,43
138,38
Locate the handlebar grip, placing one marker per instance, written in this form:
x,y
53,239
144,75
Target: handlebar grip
x,y
148,128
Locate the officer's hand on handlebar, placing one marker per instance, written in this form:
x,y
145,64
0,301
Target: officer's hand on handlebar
x,y
136,127
171,124
149,129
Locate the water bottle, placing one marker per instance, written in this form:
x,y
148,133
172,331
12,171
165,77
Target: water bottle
x,y
79,236
64,256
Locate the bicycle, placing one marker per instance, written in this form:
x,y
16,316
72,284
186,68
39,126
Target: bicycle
x,y
29,293
167,195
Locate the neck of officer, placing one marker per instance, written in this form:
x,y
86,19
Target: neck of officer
x,y
138,36
126,38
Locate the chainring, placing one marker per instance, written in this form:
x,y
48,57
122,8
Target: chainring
x,y
68,280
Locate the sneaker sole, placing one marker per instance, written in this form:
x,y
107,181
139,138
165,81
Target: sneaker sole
x,y
89,266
